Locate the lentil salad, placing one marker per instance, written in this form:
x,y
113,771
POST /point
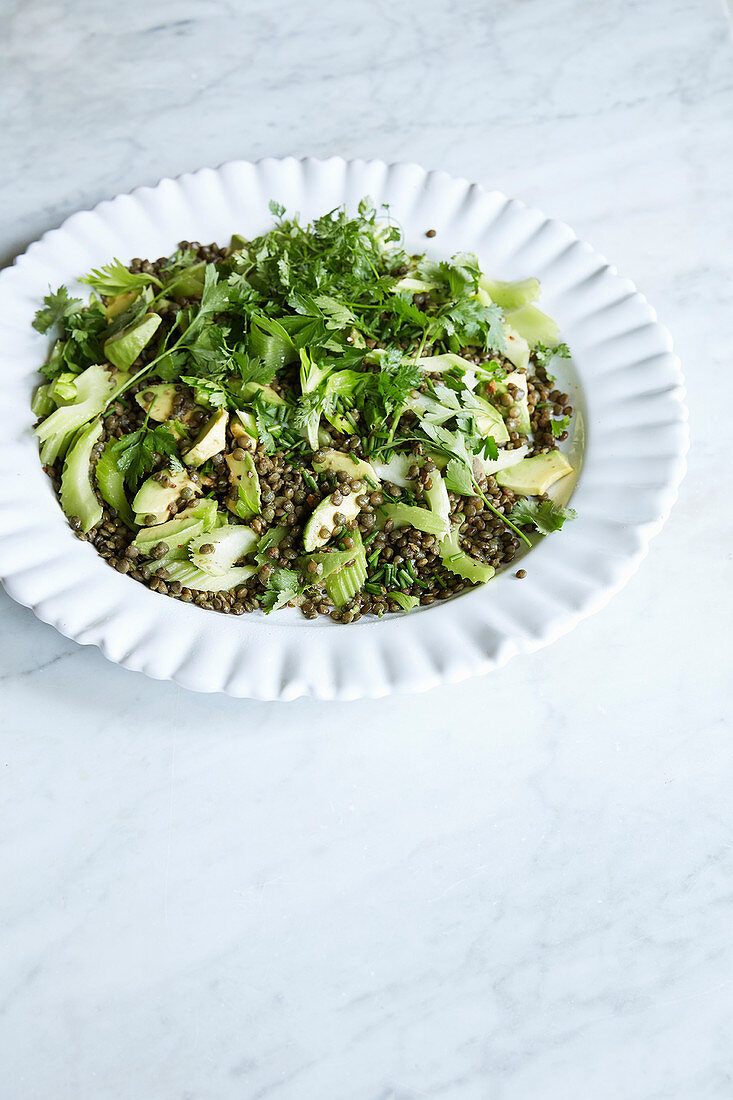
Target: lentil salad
x,y
314,418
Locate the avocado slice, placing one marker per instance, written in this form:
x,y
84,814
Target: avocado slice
x,y
230,542
194,520
322,524
155,499
534,326
535,475
243,425
157,401
123,349
490,422
250,390
338,461
188,283
210,441
461,563
245,483
77,495
119,303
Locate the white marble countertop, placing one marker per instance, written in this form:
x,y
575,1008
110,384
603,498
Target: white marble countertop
x,y
514,889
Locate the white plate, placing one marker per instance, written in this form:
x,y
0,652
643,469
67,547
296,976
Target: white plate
x,y
630,433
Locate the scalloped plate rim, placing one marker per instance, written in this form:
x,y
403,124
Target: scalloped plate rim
x,y
480,662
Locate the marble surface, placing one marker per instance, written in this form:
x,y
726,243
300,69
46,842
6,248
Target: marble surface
x,y
514,889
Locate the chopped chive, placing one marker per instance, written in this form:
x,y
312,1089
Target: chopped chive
x,y
404,578
440,580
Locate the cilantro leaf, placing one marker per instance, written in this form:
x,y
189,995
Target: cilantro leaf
x,y
545,516
57,306
135,453
489,449
206,392
458,478
283,586
252,369
543,356
559,426
114,278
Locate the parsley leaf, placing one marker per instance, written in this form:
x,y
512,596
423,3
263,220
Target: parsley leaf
x,y
545,516
114,278
543,356
283,586
135,453
489,449
57,306
458,478
252,369
559,426
206,392
397,377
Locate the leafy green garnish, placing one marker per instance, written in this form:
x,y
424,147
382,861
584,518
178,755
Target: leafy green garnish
x,y
543,356
57,306
282,587
545,516
114,278
135,454
559,426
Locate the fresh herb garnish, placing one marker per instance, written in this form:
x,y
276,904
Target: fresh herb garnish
x,y
136,453
545,516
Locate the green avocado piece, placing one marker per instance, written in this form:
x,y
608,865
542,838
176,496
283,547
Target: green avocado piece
x,y
154,499
461,563
77,494
323,524
245,501
535,475
123,349
119,303
250,390
210,441
534,326
157,401
490,422
341,461
243,424
237,243
188,283
196,519
230,543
